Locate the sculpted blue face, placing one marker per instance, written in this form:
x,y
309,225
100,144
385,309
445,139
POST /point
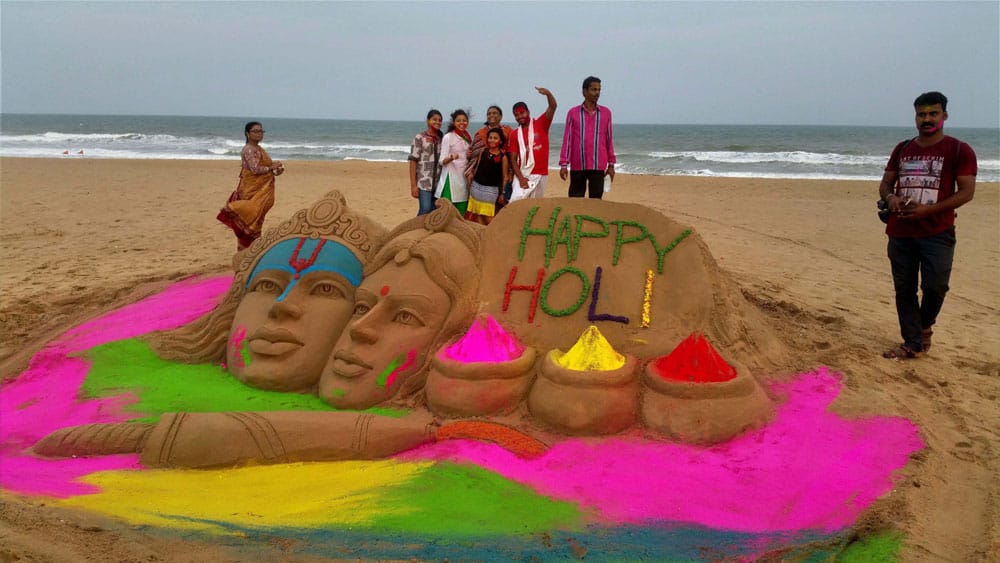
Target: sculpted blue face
x,y
298,299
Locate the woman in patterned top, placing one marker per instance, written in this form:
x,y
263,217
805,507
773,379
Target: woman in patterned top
x,y
424,167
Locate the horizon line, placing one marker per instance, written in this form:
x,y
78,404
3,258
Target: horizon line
x,y
420,121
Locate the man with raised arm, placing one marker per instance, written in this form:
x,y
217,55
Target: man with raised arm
x,y
528,149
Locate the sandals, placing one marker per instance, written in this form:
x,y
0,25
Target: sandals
x,y
902,352
925,337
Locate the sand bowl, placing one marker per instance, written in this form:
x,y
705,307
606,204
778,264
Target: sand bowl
x,y
694,396
590,390
486,372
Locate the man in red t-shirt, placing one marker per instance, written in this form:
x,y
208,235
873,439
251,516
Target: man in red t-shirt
x,y
528,149
926,179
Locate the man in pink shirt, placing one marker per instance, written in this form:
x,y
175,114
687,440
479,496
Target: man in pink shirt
x,y
588,147
528,149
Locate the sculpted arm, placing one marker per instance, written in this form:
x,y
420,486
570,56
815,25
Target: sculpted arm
x,y
202,440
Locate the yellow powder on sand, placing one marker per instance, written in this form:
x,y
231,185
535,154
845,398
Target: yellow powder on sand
x,y
298,494
592,352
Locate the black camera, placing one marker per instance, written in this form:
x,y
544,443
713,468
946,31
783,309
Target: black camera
x,y
883,210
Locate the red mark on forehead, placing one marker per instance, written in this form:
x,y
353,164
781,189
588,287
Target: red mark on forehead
x,y
299,264
385,290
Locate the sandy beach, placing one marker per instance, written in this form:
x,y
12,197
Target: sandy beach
x,y
80,236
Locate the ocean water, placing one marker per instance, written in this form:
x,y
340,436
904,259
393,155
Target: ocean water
x,y
744,151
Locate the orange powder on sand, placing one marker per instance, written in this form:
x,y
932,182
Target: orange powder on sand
x,y
514,441
485,341
695,360
592,352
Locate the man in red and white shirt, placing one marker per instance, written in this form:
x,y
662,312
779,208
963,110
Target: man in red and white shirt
x,y
528,149
588,148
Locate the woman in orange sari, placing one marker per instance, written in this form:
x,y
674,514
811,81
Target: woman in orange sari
x,y
244,212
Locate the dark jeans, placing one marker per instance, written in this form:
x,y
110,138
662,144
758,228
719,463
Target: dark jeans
x,y
579,180
929,258
426,202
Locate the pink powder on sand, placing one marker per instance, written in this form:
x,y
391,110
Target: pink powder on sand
x,y
44,397
808,469
485,341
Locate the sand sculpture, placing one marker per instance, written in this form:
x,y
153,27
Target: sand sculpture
x,y
292,295
418,291
484,372
562,318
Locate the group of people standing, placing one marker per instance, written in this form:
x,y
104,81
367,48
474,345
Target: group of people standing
x,y
481,173
926,179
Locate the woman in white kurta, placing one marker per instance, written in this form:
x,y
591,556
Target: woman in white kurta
x,y
454,154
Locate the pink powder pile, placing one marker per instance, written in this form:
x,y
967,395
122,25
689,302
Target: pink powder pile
x,y
485,341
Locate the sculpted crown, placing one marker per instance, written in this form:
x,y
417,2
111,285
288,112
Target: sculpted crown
x,y
328,218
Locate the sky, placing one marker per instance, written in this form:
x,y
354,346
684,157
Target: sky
x,y
822,63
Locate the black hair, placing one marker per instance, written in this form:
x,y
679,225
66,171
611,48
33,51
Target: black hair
x,y
498,131
431,114
590,80
496,108
454,115
249,126
931,98
519,105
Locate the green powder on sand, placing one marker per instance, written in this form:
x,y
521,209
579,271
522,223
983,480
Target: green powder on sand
x,y
463,500
883,548
130,366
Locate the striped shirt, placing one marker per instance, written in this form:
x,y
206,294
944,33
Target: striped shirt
x,y
588,140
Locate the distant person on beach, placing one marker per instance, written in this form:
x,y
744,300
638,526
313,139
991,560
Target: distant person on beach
x,y
493,116
926,179
254,195
528,149
454,155
588,147
486,187
425,168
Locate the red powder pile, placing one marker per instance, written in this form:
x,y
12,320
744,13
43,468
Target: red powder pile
x,y
696,360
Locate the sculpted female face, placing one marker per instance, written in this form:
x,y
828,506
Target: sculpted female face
x,y
398,314
298,298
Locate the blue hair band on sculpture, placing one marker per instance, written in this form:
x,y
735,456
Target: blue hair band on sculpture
x,y
300,256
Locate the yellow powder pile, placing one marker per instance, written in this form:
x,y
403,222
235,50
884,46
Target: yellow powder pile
x,y
592,352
